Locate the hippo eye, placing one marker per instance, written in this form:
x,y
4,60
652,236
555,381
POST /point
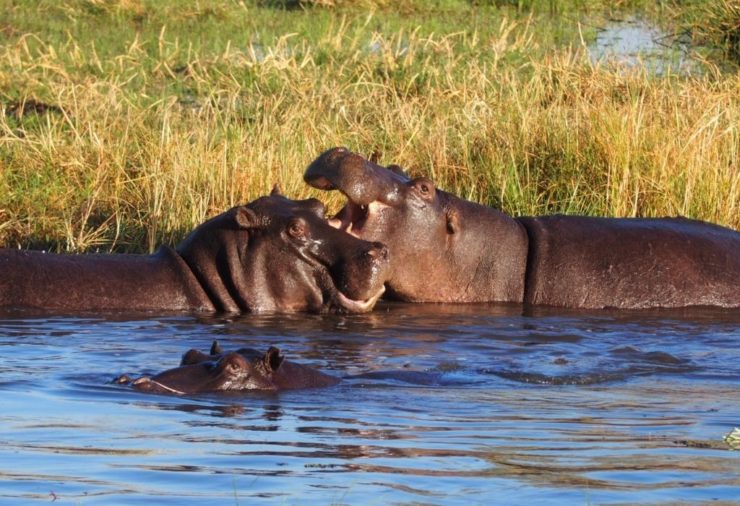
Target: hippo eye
x,y
233,366
297,229
425,187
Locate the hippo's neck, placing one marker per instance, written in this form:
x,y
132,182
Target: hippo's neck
x,y
214,257
193,291
492,256
481,258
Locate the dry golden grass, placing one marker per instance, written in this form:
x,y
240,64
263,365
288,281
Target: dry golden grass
x,y
140,145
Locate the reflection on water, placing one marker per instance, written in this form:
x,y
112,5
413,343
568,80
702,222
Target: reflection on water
x,y
439,404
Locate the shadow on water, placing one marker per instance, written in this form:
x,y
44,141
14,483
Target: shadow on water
x,y
439,404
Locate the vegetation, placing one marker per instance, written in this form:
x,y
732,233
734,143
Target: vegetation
x,y
717,23
124,123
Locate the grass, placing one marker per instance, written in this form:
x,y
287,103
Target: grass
x,y
716,23
125,123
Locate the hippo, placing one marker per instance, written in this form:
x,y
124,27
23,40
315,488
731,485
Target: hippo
x,y
271,255
247,369
446,249
241,370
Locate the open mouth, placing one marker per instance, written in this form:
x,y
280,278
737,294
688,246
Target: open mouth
x,y
368,187
350,218
353,218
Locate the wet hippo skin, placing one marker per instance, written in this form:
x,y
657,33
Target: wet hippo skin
x,y
247,369
273,254
446,249
242,370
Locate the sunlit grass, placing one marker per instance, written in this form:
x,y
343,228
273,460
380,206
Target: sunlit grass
x,y
125,123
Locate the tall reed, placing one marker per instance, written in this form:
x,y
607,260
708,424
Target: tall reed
x,y
125,147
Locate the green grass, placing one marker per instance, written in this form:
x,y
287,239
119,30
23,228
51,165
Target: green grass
x,y
160,113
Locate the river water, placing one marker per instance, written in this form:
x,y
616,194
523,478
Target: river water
x,y
440,404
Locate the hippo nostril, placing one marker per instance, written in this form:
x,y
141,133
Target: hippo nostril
x,y
379,250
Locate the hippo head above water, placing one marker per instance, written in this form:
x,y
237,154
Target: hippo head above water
x,y
271,255
443,248
446,249
242,370
277,254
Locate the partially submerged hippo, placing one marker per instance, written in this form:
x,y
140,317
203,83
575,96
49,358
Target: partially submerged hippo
x,y
247,369
273,254
445,249
244,369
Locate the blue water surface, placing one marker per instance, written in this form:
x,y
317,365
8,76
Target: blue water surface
x,y
440,404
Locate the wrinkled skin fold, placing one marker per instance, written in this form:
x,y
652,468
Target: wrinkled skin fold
x,y
271,255
446,249
242,370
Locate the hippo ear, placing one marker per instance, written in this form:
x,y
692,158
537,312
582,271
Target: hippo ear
x,y
216,348
246,218
276,190
453,222
272,359
375,156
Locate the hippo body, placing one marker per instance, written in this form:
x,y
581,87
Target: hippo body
x,y
446,249
274,254
35,279
577,261
246,370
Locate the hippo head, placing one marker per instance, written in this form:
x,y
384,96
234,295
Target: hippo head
x,y
443,248
277,254
229,372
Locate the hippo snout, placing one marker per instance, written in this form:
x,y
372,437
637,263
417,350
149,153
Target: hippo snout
x,y
362,273
378,251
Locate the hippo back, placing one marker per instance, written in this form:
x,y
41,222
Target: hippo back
x,y
93,282
577,261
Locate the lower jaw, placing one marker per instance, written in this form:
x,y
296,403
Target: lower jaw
x,y
148,384
359,306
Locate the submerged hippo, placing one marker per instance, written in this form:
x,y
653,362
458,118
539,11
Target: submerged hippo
x,y
273,254
247,369
445,249
244,369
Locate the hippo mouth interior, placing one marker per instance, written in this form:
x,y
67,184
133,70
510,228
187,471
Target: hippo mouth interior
x,y
350,218
353,218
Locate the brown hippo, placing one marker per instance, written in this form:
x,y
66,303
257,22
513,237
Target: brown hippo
x,y
248,369
445,249
273,254
244,369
